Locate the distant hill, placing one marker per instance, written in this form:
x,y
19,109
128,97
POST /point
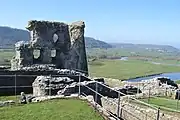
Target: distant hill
x,y
146,47
9,36
93,43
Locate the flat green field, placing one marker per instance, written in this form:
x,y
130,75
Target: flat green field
x,y
117,52
59,109
6,56
113,68
127,69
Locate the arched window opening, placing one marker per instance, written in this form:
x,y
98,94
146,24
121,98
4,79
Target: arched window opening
x,y
36,53
53,53
55,38
61,38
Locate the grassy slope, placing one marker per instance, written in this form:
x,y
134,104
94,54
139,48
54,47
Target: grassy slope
x,y
163,102
127,69
64,109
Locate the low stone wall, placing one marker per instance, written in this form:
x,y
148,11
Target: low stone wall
x,y
9,85
112,82
154,87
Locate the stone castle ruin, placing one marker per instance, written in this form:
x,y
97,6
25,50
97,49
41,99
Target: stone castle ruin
x,y
54,48
53,64
54,43
54,60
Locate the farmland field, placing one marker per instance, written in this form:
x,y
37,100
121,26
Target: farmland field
x,y
127,69
136,66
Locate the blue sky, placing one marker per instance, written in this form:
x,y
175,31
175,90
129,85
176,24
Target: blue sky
x,y
132,21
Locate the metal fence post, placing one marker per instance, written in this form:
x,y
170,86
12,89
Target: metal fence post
x,y
79,86
96,95
138,89
178,97
118,106
143,90
50,85
121,109
15,85
146,116
149,95
158,112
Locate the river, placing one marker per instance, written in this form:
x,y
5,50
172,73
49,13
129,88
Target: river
x,y
173,76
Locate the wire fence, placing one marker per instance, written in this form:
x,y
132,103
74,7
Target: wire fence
x,y
124,106
152,91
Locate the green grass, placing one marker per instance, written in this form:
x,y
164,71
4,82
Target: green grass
x,y
164,103
59,109
113,68
6,56
166,61
117,52
177,81
127,69
174,61
4,98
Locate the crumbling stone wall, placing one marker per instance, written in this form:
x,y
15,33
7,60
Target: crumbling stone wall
x,y
22,79
66,40
23,55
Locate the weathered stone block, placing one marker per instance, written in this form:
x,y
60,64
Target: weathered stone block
x,y
47,85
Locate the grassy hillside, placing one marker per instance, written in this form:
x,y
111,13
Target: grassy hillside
x,y
63,109
93,43
9,36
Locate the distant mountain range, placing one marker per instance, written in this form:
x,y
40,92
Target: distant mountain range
x,y
147,47
93,43
9,36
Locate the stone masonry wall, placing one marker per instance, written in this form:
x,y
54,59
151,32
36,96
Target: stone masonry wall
x,y
66,40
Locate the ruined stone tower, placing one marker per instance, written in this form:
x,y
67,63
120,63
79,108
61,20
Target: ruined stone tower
x,y
53,43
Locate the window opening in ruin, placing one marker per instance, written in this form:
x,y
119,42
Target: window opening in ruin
x,y
61,38
55,38
36,53
53,53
